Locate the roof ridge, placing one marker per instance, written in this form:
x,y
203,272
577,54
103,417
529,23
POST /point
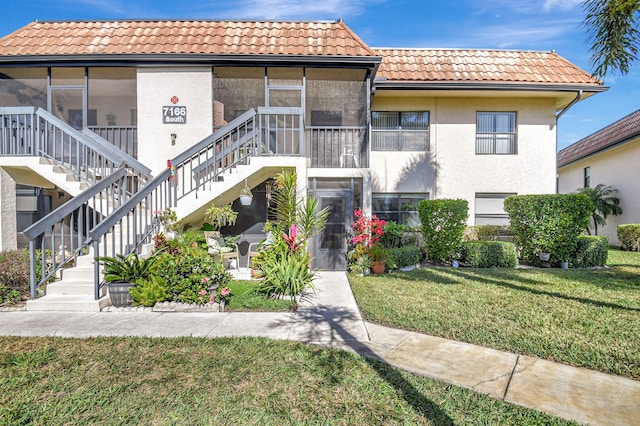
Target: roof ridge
x,y
357,38
465,48
310,21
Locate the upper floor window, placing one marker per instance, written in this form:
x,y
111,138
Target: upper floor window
x,y
496,133
400,131
587,177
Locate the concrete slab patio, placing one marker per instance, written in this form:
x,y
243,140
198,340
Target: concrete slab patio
x,y
331,318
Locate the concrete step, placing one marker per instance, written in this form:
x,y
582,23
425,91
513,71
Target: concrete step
x,y
71,288
68,304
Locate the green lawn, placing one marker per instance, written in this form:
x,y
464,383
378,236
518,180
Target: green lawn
x,y
246,298
225,381
583,317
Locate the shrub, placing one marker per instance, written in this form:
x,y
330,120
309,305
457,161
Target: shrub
x,y
405,256
189,273
591,251
443,225
149,291
548,223
489,254
393,233
486,232
629,236
289,276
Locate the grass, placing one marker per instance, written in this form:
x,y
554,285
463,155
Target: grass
x,y
246,298
225,381
583,317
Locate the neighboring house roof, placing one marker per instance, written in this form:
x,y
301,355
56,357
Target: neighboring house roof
x,y
484,66
152,37
623,130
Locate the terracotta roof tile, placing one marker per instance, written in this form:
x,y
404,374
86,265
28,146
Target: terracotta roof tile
x,y
622,130
196,37
460,65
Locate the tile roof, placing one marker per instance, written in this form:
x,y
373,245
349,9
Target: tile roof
x,y
196,37
473,65
627,128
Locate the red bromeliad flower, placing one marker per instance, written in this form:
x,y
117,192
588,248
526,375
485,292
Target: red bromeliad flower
x,y
291,239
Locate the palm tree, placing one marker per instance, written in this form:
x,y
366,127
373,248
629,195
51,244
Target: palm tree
x,y
612,30
605,204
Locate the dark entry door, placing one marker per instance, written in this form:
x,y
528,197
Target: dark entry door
x,y
331,245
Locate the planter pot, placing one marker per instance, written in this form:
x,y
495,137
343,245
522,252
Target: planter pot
x,y
378,267
544,256
564,265
119,294
367,271
221,306
245,200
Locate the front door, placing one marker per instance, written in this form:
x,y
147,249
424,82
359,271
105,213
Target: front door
x,y
331,245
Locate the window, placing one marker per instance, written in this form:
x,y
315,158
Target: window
x,y
587,177
400,131
496,133
490,208
398,207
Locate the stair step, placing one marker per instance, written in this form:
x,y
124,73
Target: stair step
x,y
68,304
70,288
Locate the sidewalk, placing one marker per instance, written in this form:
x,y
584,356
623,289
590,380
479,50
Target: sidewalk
x,y
331,318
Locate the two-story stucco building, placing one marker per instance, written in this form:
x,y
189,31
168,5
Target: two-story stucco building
x,y
229,103
610,157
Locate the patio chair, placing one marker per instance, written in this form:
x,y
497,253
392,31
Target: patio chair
x,y
220,250
256,248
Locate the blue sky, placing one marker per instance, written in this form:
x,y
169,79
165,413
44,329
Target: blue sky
x,y
503,24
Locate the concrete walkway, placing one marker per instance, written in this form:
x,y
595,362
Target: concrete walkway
x,y
331,318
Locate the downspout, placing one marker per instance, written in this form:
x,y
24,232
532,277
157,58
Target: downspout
x,y
560,114
572,103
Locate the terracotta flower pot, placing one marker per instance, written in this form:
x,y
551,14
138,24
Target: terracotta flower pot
x,y
378,267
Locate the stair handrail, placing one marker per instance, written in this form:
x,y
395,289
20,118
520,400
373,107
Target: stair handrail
x,y
230,145
70,214
79,136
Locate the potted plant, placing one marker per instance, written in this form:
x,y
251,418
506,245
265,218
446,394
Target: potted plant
x,y
122,272
245,195
221,216
378,256
167,218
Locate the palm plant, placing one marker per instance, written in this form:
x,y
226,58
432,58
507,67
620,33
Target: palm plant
x,y
605,204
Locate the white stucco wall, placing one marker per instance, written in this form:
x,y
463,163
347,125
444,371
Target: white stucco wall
x,y
618,167
156,87
452,169
8,218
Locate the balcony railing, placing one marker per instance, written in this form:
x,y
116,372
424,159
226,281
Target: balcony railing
x,y
340,147
124,138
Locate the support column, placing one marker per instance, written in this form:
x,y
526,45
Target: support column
x,y
8,213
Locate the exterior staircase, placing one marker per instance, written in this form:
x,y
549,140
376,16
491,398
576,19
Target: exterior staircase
x,y
74,292
216,168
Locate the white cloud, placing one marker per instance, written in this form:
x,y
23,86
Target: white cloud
x,y
550,5
292,9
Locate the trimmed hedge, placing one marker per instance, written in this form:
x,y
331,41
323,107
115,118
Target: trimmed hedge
x,y
443,225
405,256
489,254
629,236
548,223
592,250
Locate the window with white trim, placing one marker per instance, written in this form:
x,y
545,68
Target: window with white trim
x,y
489,208
587,177
496,133
398,207
399,130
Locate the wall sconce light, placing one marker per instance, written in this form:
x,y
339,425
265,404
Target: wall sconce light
x,y
173,138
